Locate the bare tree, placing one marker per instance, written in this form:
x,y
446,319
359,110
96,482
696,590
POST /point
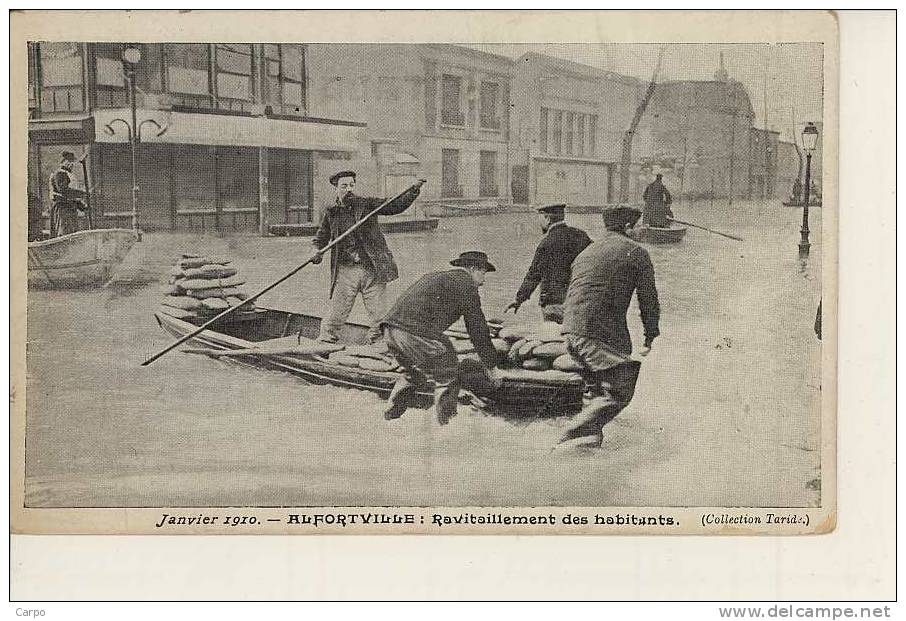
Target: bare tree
x,y
626,152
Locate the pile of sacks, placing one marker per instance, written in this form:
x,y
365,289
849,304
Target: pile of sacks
x,y
200,287
536,347
365,357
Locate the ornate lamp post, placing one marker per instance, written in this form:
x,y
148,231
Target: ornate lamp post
x,y
131,57
809,142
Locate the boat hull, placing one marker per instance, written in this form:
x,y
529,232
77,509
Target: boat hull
x,y
514,398
80,259
657,235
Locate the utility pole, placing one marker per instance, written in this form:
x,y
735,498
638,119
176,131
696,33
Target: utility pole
x,y
626,151
732,145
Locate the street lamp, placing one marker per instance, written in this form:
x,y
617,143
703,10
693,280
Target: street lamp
x,y
809,142
131,57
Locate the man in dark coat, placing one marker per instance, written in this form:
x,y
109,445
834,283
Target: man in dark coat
x,y
361,263
657,203
414,332
551,265
604,278
65,201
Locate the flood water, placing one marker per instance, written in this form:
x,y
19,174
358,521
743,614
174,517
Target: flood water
x,y
726,413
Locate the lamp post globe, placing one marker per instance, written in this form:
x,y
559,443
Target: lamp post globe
x,y
132,55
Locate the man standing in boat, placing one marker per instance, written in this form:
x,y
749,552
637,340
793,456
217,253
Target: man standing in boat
x,y
361,263
414,332
657,203
65,201
551,265
603,280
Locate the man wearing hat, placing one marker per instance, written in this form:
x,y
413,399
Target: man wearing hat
x,y
65,201
657,203
361,263
604,277
551,265
414,332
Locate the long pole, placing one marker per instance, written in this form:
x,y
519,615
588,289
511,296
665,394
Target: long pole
x,y
133,138
704,228
804,244
87,189
292,272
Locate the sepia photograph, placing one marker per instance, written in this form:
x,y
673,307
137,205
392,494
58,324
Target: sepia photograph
x,y
512,285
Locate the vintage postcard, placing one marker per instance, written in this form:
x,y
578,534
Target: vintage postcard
x,y
424,272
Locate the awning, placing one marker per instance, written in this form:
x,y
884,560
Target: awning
x,y
227,130
71,130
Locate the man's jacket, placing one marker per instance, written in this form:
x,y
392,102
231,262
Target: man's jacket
x,y
435,302
551,266
604,277
338,218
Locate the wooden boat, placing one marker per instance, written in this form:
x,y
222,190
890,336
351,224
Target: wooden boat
x,y
811,204
523,393
657,235
444,210
81,259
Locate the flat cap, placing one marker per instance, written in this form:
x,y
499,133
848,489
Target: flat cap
x,y
335,178
555,209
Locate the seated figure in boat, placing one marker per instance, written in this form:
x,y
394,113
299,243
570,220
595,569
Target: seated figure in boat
x,y
66,201
361,264
414,333
604,278
657,203
551,264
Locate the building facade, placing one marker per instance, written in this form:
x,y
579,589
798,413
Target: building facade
x,y
246,130
569,120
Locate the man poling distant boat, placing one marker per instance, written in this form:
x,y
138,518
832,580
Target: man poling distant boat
x,y
604,277
657,203
66,201
414,333
362,263
551,264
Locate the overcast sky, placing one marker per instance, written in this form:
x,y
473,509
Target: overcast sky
x,y
788,76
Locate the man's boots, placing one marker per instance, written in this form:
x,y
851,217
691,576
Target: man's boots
x,y
446,397
401,398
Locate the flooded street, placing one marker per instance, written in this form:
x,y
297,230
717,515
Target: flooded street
x,y
726,413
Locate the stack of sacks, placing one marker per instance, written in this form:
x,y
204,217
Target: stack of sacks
x,y
200,287
364,357
537,347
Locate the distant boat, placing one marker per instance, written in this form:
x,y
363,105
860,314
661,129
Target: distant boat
x,y
81,259
811,203
443,210
657,235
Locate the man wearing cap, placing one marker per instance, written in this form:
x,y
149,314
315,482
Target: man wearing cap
x,y
65,201
361,263
604,277
657,203
551,265
414,332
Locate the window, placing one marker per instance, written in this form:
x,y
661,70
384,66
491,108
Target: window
x,y
570,117
489,97
62,81
544,129
237,179
235,86
449,174
487,184
557,132
187,73
592,128
451,101
580,134
109,78
284,77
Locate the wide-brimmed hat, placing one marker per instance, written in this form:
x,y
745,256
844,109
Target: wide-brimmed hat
x,y
552,209
473,258
335,178
621,217
67,156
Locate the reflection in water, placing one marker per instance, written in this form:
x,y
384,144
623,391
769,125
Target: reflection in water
x,y
726,411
